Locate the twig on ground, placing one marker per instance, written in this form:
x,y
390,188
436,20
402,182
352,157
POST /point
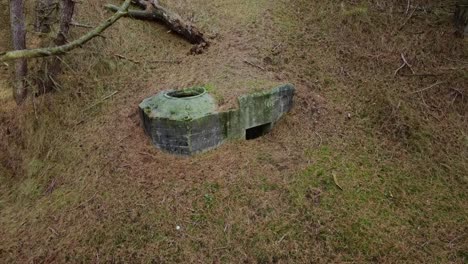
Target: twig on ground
x,y
147,154
101,101
254,65
87,201
125,58
120,140
320,143
458,92
429,87
54,231
408,7
79,123
422,75
461,61
56,84
66,64
51,186
34,107
405,64
408,19
282,238
166,61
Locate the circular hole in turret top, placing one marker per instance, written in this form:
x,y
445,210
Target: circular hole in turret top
x,y
187,93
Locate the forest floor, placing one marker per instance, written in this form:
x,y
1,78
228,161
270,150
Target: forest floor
x,y
370,166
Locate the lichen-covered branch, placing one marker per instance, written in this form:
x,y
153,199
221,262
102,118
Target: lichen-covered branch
x,y
59,50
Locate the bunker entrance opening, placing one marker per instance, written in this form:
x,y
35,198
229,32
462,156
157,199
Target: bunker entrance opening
x,y
257,131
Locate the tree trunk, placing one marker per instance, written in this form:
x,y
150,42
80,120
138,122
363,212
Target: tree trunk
x,y
52,68
461,18
19,43
46,13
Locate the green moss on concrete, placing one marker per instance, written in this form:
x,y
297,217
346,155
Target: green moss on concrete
x,y
187,104
186,121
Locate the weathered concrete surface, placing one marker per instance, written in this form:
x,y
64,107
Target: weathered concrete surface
x,y
266,107
182,122
186,122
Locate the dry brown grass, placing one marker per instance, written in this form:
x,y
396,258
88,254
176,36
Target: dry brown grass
x,y
86,185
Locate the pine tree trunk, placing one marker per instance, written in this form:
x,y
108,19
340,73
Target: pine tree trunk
x,y
19,43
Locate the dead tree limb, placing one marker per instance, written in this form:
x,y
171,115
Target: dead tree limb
x,y
18,30
155,12
60,50
145,4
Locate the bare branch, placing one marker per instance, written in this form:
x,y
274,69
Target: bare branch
x,y
59,50
405,64
76,24
154,11
429,87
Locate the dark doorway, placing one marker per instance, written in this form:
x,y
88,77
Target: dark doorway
x,y
258,131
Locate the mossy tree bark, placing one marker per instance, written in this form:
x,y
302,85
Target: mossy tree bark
x,y
19,43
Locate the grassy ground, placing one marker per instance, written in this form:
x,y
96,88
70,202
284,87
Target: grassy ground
x,y
367,167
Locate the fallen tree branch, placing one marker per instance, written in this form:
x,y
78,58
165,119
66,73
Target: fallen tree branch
x,y
155,12
59,50
254,65
429,87
145,4
100,101
126,58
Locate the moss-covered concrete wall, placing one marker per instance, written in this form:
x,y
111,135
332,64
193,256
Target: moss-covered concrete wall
x,y
196,127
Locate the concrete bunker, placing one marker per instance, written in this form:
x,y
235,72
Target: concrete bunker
x,y
187,122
